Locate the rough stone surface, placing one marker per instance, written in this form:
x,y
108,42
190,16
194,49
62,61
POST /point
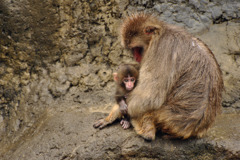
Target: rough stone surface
x,y
58,56
66,134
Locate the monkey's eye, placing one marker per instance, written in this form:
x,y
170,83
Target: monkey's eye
x,y
149,30
132,79
125,80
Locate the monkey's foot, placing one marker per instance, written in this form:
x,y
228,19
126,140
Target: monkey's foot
x,y
100,124
149,136
125,124
148,133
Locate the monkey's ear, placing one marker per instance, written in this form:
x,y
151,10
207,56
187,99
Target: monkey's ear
x,y
149,30
115,77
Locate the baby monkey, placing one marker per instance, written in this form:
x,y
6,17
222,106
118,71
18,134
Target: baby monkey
x,y
126,80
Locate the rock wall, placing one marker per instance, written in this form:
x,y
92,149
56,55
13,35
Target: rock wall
x,y
56,52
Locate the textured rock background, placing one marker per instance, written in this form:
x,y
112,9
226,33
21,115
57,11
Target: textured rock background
x,y
59,55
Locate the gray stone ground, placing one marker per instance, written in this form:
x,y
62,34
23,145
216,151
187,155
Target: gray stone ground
x,y
67,133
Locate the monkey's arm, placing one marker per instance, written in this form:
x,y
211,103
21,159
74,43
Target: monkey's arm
x,y
123,107
121,100
155,80
113,115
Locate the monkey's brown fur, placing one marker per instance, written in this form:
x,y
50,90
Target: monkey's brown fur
x,y
121,94
113,115
124,71
180,83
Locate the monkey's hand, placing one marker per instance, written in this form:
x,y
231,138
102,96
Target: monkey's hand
x,y
123,107
125,123
101,124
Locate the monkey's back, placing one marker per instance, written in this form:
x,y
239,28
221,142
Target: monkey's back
x,y
194,97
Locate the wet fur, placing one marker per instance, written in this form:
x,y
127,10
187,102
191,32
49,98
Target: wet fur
x,y
180,83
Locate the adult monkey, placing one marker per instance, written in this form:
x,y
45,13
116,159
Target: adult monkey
x,y
180,83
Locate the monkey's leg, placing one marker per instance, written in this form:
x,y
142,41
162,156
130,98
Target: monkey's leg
x,y
144,126
177,126
113,115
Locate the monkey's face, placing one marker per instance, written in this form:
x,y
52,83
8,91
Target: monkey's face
x,y
136,33
126,77
129,82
